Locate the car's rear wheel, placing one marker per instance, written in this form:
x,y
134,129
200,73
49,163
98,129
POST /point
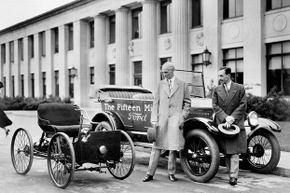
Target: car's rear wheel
x,y
104,126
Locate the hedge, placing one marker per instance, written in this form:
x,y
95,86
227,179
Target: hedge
x,y
27,103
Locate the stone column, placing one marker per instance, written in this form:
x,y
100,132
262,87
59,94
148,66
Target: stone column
x,y
63,71
180,35
49,63
8,85
150,68
254,47
100,49
17,69
211,39
26,63
81,81
37,70
122,53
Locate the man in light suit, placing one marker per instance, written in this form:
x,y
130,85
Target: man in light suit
x,y
170,106
229,105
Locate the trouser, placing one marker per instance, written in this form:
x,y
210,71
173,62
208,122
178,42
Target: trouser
x,y
232,162
154,158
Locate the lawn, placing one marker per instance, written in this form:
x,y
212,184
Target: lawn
x,y
284,136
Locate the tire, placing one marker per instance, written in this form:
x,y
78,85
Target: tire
x,y
125,166
104,126
21,151
200,157
164,153
61,160
263,152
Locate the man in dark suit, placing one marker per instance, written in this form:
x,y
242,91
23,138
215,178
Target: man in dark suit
x,y
229,105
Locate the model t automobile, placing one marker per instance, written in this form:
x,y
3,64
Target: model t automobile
x,y
70,142
129,109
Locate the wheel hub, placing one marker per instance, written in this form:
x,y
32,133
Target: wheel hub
x,y
258,150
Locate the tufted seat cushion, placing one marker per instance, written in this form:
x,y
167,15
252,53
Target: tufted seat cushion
x,y
58,117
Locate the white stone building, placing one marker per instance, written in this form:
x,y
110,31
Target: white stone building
x,y
68,50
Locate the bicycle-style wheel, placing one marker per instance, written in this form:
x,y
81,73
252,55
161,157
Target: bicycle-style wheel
x,y
126,164
21,151
61,160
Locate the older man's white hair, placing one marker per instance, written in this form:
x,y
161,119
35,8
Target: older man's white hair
x,y
168,66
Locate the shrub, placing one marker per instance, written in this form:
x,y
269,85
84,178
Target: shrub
x,y
29,103
273,106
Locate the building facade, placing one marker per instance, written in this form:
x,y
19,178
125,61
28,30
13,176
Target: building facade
x,y
70,50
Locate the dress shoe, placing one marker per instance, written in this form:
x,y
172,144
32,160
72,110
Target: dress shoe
x,y
148,178
233,181
172,178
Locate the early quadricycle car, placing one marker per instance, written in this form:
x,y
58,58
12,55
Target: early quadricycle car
x,y
69,141
129,109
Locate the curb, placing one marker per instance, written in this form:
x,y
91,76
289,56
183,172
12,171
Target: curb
x,y
279,171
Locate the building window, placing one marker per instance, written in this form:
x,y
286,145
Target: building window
x,y
277,4
92,33
70,36
43,84
163,61
56,80
55,38
233,58
278,67
11,51
92,75
3,53
13,85
137,73
112,29
165,16
42,43
22,84
233,8
197,89
32,85
197,64
71,84
20,49
196,13
112,74
31,46
136,23
4,88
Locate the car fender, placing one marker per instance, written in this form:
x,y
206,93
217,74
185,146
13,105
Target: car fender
x,y
267,124
110,117
199,123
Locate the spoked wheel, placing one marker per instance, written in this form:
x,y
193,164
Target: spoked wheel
x,y
263,152
125,166
200,157
21,151
61,160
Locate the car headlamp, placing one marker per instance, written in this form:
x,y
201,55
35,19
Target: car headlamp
x,y
253,119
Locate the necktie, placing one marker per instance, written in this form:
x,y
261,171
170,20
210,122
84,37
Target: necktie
x,y
170,85
226,88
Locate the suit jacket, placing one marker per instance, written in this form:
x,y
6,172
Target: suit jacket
x,y
232,103
168,112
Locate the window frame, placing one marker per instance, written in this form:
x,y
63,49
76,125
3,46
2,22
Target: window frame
x,y
235,59
282,70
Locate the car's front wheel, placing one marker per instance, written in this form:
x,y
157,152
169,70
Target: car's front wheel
x,y
263,153
200,157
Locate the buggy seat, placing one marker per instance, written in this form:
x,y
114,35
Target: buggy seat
x,y
58,117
